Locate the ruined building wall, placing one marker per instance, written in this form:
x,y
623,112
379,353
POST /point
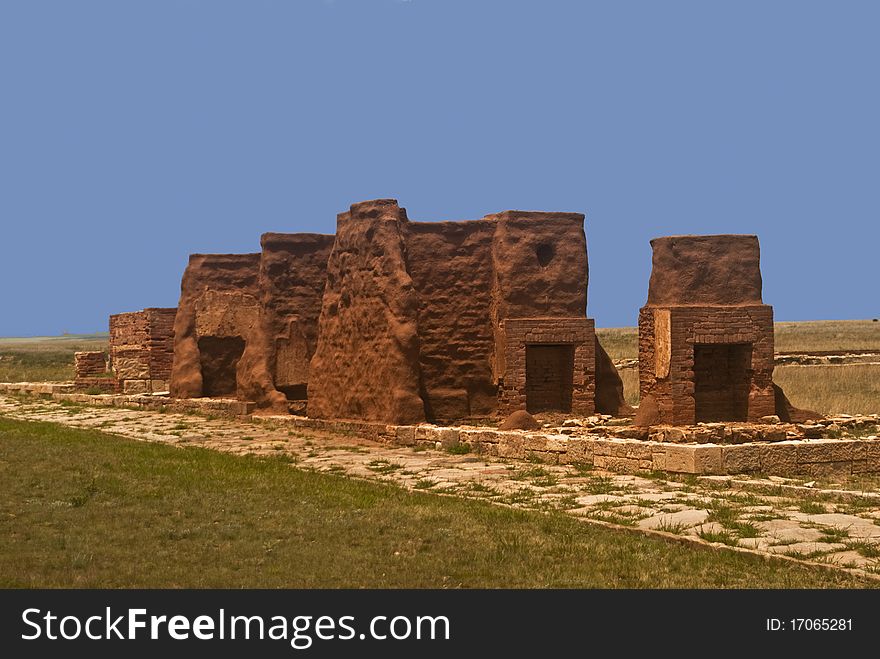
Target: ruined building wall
x,y
705,336
451,267
394,320
142,349
218,329
90,372
293,270
247,323
366,364
412,326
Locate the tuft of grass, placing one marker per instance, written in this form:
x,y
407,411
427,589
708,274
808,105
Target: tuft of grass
x,y
723,537
601,485
833,534
672,527
866,549
460,448
810,507
382,466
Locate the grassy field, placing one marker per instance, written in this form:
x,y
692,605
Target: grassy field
x,y
44,358
83,509
818,335
846,388
824,335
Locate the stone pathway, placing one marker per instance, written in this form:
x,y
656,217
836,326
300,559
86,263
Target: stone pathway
x,y
772,516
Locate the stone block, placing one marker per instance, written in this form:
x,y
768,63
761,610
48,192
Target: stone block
x,y
621,465
488,437
135,386
872,455
742,458
658,460
512,447
828,469
694,459
779,459
699,459
405,435
774,434
579,451
638,450
824,451
448,437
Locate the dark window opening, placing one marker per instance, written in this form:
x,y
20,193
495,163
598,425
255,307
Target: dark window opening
x,y
722,377
545,254
219,357
549,378
294,391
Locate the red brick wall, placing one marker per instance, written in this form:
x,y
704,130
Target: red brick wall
x,y
89,364
142,345
579,333
674,393
160,341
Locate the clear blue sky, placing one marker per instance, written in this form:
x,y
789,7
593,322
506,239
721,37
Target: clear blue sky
x,y
135,133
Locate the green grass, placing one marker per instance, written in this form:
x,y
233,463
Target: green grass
x,y
85,509
811,507
44,358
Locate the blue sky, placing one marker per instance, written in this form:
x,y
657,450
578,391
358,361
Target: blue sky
x,y
135,133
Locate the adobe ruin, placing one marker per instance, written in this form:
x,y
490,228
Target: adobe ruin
x,y
246,324
458,319
399,321
705,336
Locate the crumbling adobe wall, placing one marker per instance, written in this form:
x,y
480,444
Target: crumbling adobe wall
x,y
293,270
366,364
720,270
412,325
219,315
451,267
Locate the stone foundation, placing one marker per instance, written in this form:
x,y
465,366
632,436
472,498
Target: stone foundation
x,y
766,451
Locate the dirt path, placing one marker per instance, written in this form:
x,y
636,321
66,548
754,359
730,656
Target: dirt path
x,y
825,526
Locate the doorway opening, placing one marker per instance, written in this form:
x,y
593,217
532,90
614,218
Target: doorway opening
x,y
219,356
549,378
722,377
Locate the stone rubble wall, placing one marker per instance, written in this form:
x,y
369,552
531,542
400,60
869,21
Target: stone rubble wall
x,y
142,349
90,372
92,363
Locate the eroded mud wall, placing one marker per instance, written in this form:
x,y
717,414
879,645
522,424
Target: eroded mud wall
x,y
366,363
